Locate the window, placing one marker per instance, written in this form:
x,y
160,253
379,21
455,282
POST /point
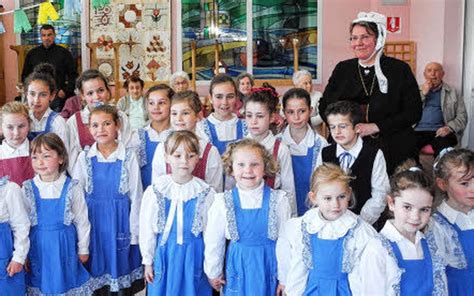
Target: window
x,y
219,30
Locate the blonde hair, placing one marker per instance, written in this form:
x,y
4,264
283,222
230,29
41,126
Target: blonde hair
x,y
51,141
271,166
186,138
15,108
329,172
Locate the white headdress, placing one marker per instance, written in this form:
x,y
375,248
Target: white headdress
x,y
381,21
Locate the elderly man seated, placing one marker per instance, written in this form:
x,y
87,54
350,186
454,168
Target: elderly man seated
x,y
444,113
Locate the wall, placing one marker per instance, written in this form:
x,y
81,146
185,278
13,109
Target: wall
x,y
427,22
10,60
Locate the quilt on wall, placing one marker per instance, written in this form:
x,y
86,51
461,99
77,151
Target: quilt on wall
x,y
143,28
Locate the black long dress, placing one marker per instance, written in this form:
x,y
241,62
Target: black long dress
x,y
394,113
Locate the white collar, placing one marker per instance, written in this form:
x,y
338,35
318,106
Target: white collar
x,y
354,151
119,153
268,141
212,118
45,115
57,184
23,149
256,192
454,215
175,191
316,223
392,233
308,140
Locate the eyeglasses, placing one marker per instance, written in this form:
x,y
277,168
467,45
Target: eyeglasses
x,y
362,38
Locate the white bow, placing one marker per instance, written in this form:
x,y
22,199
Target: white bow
x,y
176,206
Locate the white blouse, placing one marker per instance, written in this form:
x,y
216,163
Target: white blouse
x,y
177,194
225,130
294,272
73,134
315,116
80,219
135,192
217,230
284,179
58,126
446,236
13,212
301,149
154,136
378,272
7,151
214,169
375,205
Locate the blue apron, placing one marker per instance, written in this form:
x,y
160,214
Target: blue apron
x,y
302,170
54,261
113,260
251,267
418,276
10,286
150,147
222,145
326,277
47,128
178,269
461,281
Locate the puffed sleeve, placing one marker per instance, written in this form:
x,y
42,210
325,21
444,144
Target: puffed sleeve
x,y
125,129
147,226
447,241
215,170
297,275
283,248
73,142
18,220
135,195
81,219
59,127
79,171
285,176
214,238
158,164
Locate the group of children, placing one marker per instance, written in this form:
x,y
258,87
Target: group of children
x,y
190,204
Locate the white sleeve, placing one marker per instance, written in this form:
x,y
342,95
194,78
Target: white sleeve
x,y
59,127
135,195
215,170
287,182
283,249
207,205
214,238
148,227
79,171
158,164
447,240
134,142
376,272
125,129
73,142
18,220
81,219
297,275
376,204
316,117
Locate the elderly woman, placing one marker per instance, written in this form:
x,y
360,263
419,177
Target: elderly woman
x,y
179,81
244,83
384,87
303,79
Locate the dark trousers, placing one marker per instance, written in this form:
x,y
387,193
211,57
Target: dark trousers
x,y
424,138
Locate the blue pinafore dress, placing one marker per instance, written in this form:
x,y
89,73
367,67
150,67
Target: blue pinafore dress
x,y
54,261
178,268
251,267
302,169
461,281
325,260
417,278
47,128
146,153
113,260
9,286
210,130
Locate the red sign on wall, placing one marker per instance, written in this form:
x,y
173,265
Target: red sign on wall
x,y
394,24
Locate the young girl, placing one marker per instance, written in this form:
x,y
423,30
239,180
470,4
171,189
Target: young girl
x,y
60,227
173,216
133,104
40,91
453,225
14,242
326,242
304,143
403,260
222,126
94,89
15,161
111,177
250,215
260,109
145,140
185,107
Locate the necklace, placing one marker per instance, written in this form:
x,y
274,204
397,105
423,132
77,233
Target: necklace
x,y
363,83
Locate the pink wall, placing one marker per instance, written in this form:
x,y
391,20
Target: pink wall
x,y
427,22
10,60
